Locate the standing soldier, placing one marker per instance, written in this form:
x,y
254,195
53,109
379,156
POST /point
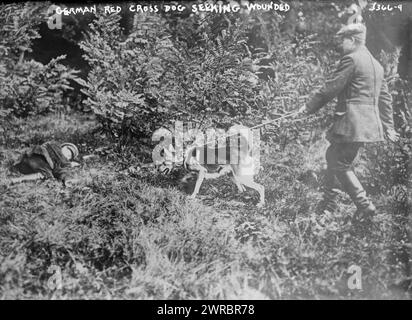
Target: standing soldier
x,y
363,114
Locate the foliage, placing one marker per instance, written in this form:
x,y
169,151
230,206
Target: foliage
x,y
216,80
124,84
27,87
33,88
151,76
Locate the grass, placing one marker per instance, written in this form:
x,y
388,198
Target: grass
x,y
116,235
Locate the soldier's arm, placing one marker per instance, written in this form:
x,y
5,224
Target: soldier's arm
x,y
27,177
385,107
332,87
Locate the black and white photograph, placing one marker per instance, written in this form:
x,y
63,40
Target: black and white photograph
x,y
233,150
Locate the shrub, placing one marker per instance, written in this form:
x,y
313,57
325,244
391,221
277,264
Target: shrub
x,y
216,80
142,80
124,84
33,88
27,87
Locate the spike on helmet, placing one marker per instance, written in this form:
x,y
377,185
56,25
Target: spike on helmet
x,y
73,149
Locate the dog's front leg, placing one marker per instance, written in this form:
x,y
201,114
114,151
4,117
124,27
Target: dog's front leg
x,y
261,189
239,186
199,181
248,182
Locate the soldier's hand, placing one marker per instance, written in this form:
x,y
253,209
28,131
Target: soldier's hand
x,y
74,164
302,110
392,135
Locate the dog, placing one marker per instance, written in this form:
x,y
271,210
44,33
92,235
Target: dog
x,y
240,167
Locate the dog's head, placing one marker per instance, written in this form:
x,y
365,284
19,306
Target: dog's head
x,y
167,162
187,183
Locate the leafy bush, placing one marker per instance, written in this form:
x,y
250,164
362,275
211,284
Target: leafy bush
x,y
33,88
141,80
124,84
216,80
27,87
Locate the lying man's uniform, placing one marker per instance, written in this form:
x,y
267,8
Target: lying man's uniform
x,y
49,159
363,113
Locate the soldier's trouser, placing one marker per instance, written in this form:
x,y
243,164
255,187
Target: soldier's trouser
x,y
340,158
38,164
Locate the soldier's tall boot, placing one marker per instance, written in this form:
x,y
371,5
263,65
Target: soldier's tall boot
x,y
328,205
354,188
330,194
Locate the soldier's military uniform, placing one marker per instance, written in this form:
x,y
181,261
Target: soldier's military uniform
x,y
49,159
363,113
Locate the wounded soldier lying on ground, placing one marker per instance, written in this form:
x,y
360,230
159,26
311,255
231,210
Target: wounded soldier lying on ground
x,y
49,160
